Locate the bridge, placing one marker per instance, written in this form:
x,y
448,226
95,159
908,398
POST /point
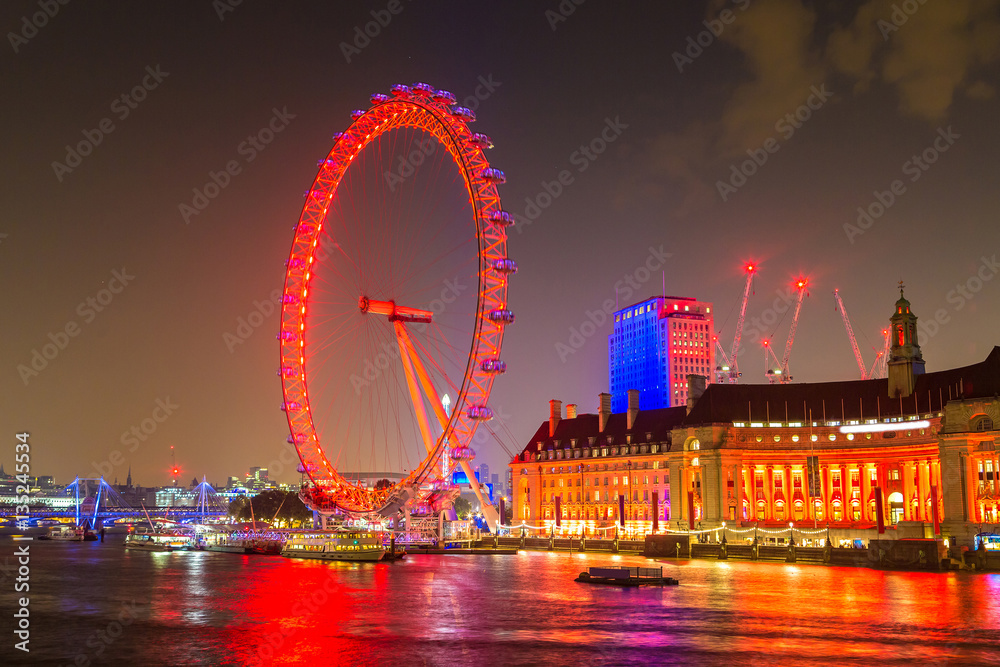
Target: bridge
x,y
96,502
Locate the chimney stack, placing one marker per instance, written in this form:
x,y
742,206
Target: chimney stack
x,y
633,407
555,414
696,387
604,411
571,411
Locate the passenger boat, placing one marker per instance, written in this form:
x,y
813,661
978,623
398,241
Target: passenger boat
x,y
227,543
268,544
67,533
353,545
159,542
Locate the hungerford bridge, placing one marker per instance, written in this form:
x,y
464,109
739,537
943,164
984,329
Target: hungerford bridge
x,y
96,503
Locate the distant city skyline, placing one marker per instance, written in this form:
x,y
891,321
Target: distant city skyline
x,y
156,158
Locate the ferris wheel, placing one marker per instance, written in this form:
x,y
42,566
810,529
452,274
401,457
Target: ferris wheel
x,y
395,297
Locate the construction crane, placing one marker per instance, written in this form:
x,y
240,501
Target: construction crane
x,y
880,366
854,343
800,285
722,368
772,375
734,369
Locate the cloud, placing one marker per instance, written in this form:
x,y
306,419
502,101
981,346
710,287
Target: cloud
x,y
783,47
980,90
775,41
926,52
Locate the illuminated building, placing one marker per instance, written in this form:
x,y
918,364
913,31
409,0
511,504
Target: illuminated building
x,y
595,465
916,453
655,345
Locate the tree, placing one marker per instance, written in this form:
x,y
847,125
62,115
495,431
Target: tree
x,y
382,484
294,510
273,506
236,506
462,507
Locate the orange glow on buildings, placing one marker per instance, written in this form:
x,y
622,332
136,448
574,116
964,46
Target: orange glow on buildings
x,y
913,455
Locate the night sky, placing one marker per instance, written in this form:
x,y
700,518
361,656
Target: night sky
x,y
828,106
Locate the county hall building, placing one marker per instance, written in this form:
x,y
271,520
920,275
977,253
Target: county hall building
x,y
914,454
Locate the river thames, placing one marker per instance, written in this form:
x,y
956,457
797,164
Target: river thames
x,y
93,603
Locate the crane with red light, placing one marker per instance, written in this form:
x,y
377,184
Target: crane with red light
x,y
879,364
173,465
780,374
850,334
730,372
880,367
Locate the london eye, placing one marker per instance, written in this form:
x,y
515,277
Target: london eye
x,y
395,295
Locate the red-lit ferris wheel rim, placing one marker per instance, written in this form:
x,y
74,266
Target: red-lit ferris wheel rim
x,y
424,109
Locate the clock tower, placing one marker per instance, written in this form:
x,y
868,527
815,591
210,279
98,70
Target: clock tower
x,y
905,360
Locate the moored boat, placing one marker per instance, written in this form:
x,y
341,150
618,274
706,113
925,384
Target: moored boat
x,y
351,545
626,576
66,533
266,544
267,547
159,542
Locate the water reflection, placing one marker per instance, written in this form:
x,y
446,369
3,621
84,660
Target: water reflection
x,y
523,609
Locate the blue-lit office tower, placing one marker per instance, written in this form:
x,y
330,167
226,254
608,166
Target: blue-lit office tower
x,y
655,345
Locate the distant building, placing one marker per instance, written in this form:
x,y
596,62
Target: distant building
x,y
170,496
654,346
257,480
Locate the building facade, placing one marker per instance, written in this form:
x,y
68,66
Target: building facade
x,y
911,455
655,344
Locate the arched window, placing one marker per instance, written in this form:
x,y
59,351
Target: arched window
x,y
982,424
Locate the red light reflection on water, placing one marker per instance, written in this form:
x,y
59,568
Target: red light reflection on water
x,y
526,608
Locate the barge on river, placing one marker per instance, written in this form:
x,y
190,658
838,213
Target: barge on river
x,y
626,576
